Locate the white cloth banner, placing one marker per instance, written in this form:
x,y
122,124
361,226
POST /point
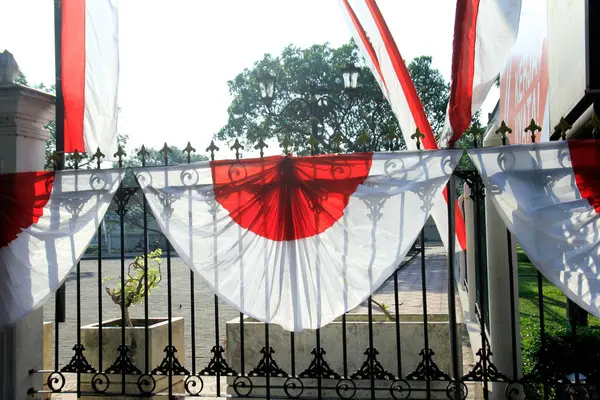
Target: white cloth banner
x,y
48,220
297,241
548,195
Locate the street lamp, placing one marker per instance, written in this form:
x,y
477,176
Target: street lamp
x,y
317,102
350,75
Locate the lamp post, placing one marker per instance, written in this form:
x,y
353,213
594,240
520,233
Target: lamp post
x,y
316,102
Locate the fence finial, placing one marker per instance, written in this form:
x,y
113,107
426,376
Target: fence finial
x,y
212,148
563,126
285,144
77,157
337,139
391,136
237,146
364,139
98,155
261,146
314,144
189,150
504,130
55,159
166,150
533,128
143,153
417,136
120,154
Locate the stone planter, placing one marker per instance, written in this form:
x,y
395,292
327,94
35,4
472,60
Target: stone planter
x,y
158,336
357,342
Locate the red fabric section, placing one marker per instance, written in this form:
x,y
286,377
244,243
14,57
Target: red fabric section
x,y
408,87
365,39
289,198
463,67
73,72
22,200
585,158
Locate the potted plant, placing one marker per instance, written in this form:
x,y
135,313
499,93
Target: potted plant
x,y
113,360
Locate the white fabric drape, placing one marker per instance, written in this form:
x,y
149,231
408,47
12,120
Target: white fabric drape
x,y
547,194
298,265
38,252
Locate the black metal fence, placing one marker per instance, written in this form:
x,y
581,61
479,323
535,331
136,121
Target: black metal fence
x,y
194,360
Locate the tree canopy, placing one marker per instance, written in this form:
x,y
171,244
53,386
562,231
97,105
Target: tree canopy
x,y
302,72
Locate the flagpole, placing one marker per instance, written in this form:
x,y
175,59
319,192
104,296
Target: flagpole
x,y
60,129
60,110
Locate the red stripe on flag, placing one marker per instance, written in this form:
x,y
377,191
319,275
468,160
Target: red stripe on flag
x,y
73,72
408,87
584,159
463,67
23,197
365,39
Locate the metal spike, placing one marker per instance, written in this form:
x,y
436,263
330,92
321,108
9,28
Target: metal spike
x,y
533,128
391,135
337,140
314,144
364,139
76,157
562,127
99,156
595,122
286,144
166,150
143,153
261,146
120,154
237,146
55,158
417,136
189,149
212,148
504,130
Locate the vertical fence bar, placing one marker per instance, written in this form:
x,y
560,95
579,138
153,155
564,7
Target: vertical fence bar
x,y
169,294
451,285
478,194
217,354
425,319
100,298
319,368
122,256
293,353
397,312
189,150
78,324
371,348
146,303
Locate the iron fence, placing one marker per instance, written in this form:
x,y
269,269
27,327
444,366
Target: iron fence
x,y
200,365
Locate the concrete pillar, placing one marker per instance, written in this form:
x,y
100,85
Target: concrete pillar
x,y
499,289
23,113
471,265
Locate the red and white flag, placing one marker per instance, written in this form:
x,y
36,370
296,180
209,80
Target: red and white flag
x,y
48,220
484,33
548,194
297,241
376,41
90,75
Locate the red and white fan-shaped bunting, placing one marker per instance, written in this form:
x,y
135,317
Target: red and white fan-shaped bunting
x,y
48,220
297,241
549,197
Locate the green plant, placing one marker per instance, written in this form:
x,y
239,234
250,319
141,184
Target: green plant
x,y
135,283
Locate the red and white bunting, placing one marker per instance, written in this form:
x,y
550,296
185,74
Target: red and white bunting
x,y
548,195
375,39
297,241
90,75
484,33
48,220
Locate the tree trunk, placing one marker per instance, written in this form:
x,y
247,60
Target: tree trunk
x,y
127,317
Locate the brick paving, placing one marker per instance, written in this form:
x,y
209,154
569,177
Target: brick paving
x,y
410,300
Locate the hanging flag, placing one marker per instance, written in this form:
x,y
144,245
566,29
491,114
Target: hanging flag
x,y
484,34
375,39
297,241
548,194
90,75
48,220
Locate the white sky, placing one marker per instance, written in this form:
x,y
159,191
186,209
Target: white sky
x,y
177,55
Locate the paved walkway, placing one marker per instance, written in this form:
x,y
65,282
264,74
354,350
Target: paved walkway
x,y
410,300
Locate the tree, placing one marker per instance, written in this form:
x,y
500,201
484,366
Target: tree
x,y
301,72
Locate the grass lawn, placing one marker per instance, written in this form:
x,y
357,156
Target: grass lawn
x,y
555,313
